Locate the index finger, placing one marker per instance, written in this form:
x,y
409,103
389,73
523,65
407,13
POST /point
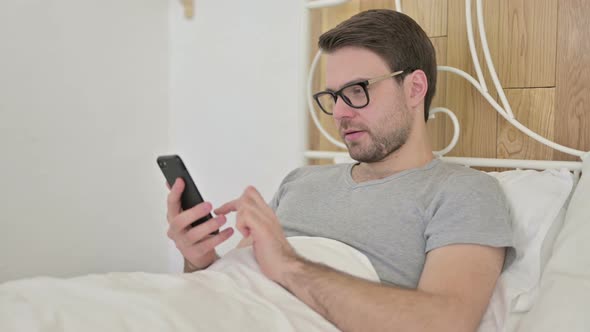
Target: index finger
x,y
254,195
228,207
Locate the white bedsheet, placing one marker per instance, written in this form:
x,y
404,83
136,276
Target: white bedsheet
x,y
232,295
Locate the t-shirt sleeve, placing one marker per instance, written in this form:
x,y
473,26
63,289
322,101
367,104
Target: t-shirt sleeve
x,y
471,209
274,202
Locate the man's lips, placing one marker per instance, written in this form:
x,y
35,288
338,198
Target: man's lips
x,y
352,135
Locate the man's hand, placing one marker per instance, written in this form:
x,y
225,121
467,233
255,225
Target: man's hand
x,y
196,244
255,219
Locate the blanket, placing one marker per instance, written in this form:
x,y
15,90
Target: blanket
x,y
231,295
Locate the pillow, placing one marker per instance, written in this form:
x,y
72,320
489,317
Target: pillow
x,y
564,293
538,202
535,200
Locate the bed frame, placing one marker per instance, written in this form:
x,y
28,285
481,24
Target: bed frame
x,y
504,110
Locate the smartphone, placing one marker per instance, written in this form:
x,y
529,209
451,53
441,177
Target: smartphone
x,y
173,168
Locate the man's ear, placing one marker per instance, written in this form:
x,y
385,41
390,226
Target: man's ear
x,y
416,86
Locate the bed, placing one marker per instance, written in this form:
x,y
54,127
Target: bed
x,y
547,288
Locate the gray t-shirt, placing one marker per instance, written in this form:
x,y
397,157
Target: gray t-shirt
x,y
397,220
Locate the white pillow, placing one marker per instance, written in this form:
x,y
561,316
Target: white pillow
x,y
564,296
537,203
535,199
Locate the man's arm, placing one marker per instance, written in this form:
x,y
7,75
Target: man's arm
x,y
452,295
453,292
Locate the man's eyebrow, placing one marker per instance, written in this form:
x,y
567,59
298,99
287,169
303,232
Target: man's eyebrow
x,y
356,80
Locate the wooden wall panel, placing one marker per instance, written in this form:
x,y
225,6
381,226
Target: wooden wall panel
x,y
541,51
377,4
528,32
572,126
315,30
332,16
436,127
534,108
430,14
476,117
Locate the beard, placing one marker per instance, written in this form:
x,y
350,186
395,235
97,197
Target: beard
x,y
382,141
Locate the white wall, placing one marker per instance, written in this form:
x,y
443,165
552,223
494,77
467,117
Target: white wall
x,y
237,117
92,91
83,113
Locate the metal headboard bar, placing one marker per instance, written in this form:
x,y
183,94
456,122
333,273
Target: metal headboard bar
x,y
470,162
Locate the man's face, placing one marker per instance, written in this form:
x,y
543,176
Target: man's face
x,y
383,126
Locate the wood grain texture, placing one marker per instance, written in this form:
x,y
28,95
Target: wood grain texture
x,y
332,16
436,127
377,4
534,43
534,108
430,14
315,30
528,32
572,124
477,119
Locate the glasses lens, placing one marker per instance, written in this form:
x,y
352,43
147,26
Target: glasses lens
x,y
326,102
356,95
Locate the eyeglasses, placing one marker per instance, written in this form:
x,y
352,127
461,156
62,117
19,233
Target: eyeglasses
x,y
354,94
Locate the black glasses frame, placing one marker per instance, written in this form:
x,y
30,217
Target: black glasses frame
x,y
363,84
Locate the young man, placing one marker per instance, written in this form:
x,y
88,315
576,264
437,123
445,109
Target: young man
x,y
435,233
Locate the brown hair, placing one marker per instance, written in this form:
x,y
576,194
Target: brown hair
x,y
395,37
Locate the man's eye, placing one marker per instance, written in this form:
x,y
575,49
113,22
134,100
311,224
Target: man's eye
x,y
357,90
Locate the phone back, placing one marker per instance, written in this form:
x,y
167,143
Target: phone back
x,y
173,168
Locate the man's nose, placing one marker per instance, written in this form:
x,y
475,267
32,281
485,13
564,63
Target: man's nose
x,y
342,110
